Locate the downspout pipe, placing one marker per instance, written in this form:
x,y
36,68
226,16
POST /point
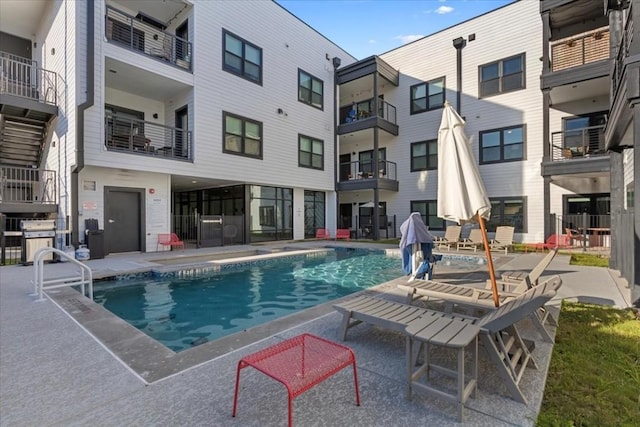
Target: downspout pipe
x,y
459,43
75,186
336,63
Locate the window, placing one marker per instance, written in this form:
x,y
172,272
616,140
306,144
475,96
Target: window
x,y
502,76
242,58
428,210
502,145
365,161
310,152
427,96
268,216
507,211
242,136
424,155
310,90
314,212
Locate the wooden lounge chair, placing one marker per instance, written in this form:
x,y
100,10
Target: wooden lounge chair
x,y
519,281
450,238
576,236
497,328
169,239
474,241
503,238
473,299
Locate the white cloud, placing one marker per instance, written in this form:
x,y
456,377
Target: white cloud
x,y
409,38
372,41
444,9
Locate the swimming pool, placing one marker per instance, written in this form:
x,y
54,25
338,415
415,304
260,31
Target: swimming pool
x,y
184,312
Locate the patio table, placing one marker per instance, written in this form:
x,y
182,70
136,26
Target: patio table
x,y
299,363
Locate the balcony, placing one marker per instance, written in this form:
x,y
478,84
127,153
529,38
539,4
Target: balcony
x,y
359,175
579,50
20,186
623,53
23,78
367,114
150,40
128,135
578,143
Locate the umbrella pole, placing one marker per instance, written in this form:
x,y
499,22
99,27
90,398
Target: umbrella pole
x,y
487,251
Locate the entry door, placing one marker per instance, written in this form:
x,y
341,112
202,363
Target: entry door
x,y
182,127
123,219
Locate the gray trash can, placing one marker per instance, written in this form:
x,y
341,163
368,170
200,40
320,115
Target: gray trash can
x,y
94,239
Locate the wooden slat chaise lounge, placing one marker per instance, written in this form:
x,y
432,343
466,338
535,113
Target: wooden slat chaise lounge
x,y
503,239
474,241
450,238
480,298
496,330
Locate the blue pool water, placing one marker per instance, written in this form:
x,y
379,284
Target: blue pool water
x,y
184,312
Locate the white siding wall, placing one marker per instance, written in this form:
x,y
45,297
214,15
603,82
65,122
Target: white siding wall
x,y
56,47
91,203
506,32
287,46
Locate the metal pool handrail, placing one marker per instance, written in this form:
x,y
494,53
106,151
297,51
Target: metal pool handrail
x,y
86,276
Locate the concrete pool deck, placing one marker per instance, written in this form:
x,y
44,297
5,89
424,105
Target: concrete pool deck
x,y
53,372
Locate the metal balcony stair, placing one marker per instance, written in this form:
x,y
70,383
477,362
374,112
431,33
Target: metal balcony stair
x,y
22,140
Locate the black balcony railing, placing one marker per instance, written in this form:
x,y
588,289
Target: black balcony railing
x,y
27,185
623,53
366,170
147,39
584,230
364,109
578,143
22,77
580,50
139,137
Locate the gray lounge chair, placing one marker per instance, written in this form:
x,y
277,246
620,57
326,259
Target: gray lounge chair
x,y
450,238
496,329
516,281
474,298
503,239
474,241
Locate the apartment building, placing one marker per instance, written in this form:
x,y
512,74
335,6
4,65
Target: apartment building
x,y
170,116
194,117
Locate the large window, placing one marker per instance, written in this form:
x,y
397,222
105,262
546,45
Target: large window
x,y
271,213
508,211
427,96
242,136
314,212
428,210
502,76
310,90
502,145
242,58
424,155
365,160
310,152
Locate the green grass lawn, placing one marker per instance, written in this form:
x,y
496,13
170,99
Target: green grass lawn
x,y
594,376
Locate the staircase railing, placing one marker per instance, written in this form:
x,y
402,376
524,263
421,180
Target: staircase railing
x,y
22,77
40,284
27,185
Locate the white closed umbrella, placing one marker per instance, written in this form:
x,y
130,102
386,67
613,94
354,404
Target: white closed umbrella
x,y
461,193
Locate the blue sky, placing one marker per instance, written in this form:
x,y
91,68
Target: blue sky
x,y
367,27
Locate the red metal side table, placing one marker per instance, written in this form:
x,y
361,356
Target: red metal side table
x,y
299,363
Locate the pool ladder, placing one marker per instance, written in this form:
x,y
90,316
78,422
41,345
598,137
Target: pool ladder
x,y
85,276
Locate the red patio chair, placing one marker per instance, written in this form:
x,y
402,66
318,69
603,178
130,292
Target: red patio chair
x,y
169,239
552,242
